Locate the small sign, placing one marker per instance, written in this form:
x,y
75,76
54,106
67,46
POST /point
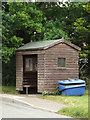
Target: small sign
x,y
27,63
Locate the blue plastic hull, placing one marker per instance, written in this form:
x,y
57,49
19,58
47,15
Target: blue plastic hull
x,y
74,91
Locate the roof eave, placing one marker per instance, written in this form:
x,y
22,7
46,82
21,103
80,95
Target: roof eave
x,y
63,41
72,45
51,45
32,49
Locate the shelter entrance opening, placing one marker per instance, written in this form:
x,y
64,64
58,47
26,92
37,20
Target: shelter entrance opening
x,y
30,73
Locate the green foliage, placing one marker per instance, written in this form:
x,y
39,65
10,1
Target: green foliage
x,y
23,22
9,40
9,90
19,23
48,93
9,73
54,31
77,105
57,92
81,32
75,111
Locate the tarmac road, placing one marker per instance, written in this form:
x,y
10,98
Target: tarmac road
x,y
13,110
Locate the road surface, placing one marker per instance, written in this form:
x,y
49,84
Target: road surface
x,y
13,110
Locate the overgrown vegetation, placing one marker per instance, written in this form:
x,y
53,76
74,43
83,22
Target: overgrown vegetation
x,y
9,90
9,73
77,105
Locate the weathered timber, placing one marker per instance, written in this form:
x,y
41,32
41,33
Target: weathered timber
x,y
48,73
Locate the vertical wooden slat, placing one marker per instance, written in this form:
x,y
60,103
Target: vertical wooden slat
x,y
40,70
19,71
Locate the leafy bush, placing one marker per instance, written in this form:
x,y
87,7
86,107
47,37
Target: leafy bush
x,y
57,92
9,73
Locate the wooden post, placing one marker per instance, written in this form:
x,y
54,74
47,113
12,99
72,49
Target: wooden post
x,y
26,90
27,86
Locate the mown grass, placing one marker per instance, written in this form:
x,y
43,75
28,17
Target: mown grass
x,y
77,105
9,90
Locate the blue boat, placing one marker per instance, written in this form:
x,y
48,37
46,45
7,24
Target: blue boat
x,y
72,87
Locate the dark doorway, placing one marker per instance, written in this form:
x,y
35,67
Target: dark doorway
x,y
30,73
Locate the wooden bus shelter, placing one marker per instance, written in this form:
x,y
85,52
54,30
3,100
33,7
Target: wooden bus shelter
x,y
39,65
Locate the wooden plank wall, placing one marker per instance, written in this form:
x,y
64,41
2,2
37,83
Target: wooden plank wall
x,y
52,72
19,71
48,72
40,71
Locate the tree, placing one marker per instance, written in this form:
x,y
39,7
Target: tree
x,y
20,23
25,22
82,33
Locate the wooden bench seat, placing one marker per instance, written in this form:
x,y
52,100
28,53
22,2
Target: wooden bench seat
x,y
27,87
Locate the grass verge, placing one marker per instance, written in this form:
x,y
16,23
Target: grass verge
x,y
77,105
9,90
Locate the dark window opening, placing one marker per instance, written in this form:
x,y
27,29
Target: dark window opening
x,y
61,62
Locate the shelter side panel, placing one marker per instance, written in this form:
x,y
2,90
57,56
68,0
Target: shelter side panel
x,y
61,63
40,70
19,71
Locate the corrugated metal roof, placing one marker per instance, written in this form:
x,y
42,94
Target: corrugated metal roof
x,y
37,45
